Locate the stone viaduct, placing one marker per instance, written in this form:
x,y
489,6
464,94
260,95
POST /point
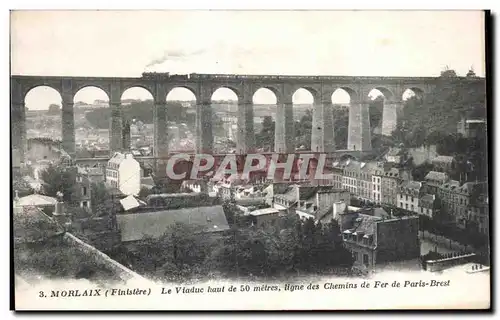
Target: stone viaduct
x,y
204,85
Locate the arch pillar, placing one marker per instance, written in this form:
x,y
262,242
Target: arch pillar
x,y
204,134
245,141
160,144
359,132
68,118
116,120
392,111
284,139
18,119
323,131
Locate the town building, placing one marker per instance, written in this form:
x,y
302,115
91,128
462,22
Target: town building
x,y
338,173
320,202
365,187
375,240
390,181
444,163
427,204
135,226
395,155
409,195
265,216
479,214
377,175
46,149
350,176
465,204
44,203
448,199
294,193
471,128
180,200
124,173
434,180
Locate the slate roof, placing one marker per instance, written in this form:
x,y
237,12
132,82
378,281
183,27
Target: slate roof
x,y
437,176
135,226
444,159
366,224
37,200
394,152
427,198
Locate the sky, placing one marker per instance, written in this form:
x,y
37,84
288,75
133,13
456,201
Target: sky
x,y
354,43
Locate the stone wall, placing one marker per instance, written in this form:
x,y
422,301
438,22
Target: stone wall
x,y
121,272
442,264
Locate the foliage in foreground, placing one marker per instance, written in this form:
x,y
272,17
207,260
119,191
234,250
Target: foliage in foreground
x,y
292,247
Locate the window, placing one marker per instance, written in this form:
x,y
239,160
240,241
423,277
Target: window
x,y
406,197
406,206
401,205
85,204
365,260
412,208
412,199
84,191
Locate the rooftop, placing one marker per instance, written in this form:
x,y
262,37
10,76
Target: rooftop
x,y
136,226
265,211
436,176
37,200
445,159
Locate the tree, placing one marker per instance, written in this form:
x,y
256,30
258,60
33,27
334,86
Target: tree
x,y
145,192
265,138
58,178
54,109
21,186
102,201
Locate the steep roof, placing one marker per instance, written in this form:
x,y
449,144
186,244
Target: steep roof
x,y
427,198
37,200
135,226
365,224
394,152
411,185
436,176
444,159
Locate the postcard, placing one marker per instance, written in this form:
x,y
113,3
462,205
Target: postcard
x,y
249,160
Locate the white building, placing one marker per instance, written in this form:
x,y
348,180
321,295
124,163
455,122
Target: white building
x,y
124,173
377,185
408,196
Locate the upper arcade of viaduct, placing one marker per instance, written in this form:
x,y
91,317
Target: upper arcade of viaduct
x,y
244,86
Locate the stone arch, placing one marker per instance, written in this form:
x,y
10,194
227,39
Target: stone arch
x,y
314,93
83,87
353,94
386,92
273,89
189,88
234,89
128,86
29,87
78,87
417,91
40,86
